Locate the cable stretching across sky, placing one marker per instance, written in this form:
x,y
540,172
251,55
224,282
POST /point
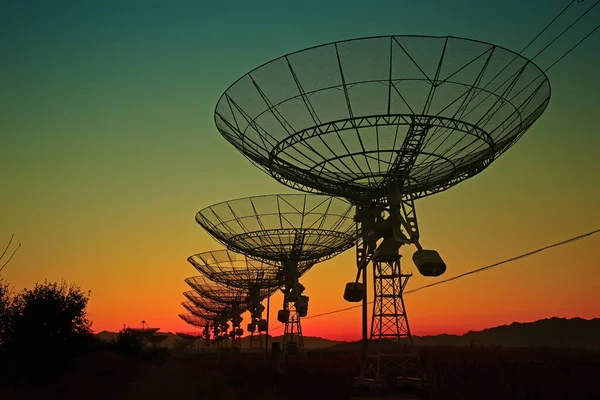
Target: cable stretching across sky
x,y
471,272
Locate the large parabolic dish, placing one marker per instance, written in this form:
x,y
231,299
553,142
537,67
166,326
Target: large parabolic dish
x,y
221,293
334,118
197,304
196,321
239,271
280,228
215,291
200,312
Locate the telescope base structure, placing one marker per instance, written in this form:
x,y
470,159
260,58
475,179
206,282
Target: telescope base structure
x,y
293,342
392,360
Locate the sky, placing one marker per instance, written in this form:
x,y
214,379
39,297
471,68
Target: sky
x,y
108,148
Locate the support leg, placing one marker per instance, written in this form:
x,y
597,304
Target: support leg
x,y
393,359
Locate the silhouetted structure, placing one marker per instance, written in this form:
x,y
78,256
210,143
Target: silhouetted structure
x,y
258,279
199,322
236,300
222,311
383,121
291,231
147,334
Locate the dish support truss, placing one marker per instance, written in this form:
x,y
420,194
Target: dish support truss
x,y
389,357
293,342
389,323
256,310
295,306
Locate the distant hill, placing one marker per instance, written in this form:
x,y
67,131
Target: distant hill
x,y
310,342
551,332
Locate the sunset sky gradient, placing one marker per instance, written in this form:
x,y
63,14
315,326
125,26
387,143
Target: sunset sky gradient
x,y
108,149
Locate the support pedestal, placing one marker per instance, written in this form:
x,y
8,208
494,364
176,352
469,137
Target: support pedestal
x,y
392,359
293,343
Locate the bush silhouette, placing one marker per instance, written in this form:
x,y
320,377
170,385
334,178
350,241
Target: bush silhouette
x,y
42,328
128,344
5,307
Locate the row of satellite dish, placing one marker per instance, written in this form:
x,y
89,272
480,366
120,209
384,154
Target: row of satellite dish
x,y
364,127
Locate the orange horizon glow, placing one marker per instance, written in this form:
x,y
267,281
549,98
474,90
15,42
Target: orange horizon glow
x,y
327,332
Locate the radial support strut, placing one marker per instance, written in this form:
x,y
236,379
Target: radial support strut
x,y
392,359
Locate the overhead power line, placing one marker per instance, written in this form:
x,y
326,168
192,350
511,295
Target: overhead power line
x,y
565,30
474,271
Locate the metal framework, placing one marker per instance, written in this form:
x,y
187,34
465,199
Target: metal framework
x,y
221,293
143,331
257,279
383,121
394,354
234,301
236,270
280,228
289,231
337,118
293,341
194,320
218,313
199,322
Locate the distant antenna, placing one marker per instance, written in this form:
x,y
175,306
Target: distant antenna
x,y
205,323
220,312
257,279
290,231
235,300
144,331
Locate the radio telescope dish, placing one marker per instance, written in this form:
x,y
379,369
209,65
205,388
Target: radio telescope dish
x,y
185,340
199,313
237,270
200,322
383,121
229,303
218,292
143,331
202,313
238,300
335,118
195,300
283,227
189,336
214,311
291,231
256,278
193,320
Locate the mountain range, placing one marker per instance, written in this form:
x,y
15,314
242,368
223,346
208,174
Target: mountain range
x,y
551,332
